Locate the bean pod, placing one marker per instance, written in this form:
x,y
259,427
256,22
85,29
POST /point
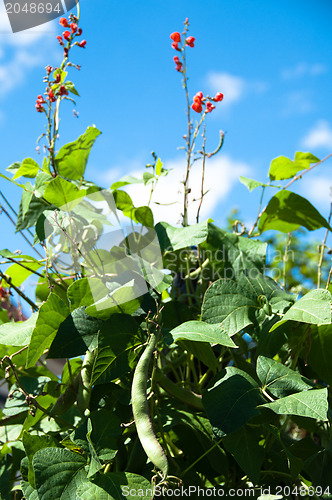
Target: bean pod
x,y
140,406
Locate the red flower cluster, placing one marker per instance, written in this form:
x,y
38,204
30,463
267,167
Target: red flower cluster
x,y
69,35
190,41
199,100
39,104
178,64
51,96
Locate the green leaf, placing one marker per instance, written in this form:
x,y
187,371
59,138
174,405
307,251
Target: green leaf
x,y
148,178
312,404
32,444
144,216
76,334
243,445
283,168
104,434
313,308
124,299
230,254
251,184
95,464
28,168
124,181
63,194
117,340
28,491
19,274
116,486
51,314
287,211
280,380
174,238
19,333
41,182
58,473
232,401
199,331
79,293
71,160
319,355
71,87
236,305
29,211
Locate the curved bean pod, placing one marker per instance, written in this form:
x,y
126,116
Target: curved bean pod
x,y
140,406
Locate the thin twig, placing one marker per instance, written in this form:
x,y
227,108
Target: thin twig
x,y
260,213
203,176
285,258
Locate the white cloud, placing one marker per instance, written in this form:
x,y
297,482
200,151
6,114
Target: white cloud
x,y
233,87
21,52
318,189
221,175
319,136
304,69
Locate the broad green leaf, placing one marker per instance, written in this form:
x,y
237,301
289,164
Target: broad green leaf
x,y
72,158
124,299
312,404
287,211
231,254
318,467
26,198
18,333
11,180
17,403
63,194
283,168
76,334
174,238
232,401
251,184
144,216
116,486
104,433
28,168
318,353
236,305
51,314
117,341
32,444
28,491
79,293
243,445
148,178
13,168
280,380
19,274
41,182
199,331
58,473
28,215
313,308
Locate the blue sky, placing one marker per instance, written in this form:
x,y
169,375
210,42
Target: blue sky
x,y
271,59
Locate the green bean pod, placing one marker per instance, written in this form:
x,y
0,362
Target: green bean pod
x,y
140,406
84,385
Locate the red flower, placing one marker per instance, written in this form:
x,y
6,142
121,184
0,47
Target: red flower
x,y
51,96
82,44
190,41
209,107
73,27
176,37
176,60
49,69
63,90
60,40
175,46
80,31
58,78
178,67
40,99
65,51
219,97
197,106
63,22
199,95
66,35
